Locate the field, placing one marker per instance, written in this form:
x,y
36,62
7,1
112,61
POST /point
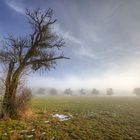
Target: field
x,y
77,118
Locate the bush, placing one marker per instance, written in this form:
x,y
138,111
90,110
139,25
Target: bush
x,y
23,102
40,91
68,91
109,91
82,92
53,92
136,91
95,91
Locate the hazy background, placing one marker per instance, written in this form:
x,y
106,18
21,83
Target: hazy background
x,y
102,39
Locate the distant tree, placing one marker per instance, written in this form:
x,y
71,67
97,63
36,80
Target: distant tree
x,y
39,50
82,92
136,91
68,91
109,91
95,91
53,92
41,91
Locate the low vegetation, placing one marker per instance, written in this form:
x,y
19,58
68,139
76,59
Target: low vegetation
x,y
77,118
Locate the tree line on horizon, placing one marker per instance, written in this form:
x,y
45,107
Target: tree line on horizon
x,y
82,92
70,92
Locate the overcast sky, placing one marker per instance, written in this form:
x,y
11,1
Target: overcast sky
x,y
102,39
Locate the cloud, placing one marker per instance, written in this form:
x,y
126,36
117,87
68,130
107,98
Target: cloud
x,y
13,4
81,46
66,34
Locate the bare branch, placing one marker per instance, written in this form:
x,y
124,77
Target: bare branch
x,y
46,60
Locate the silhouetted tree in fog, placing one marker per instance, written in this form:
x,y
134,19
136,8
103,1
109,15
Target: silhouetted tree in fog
x,y
82,92
109,91
53,92
68,91
41,91
95,91
136,91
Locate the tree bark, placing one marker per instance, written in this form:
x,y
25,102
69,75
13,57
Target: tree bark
x,y
9,107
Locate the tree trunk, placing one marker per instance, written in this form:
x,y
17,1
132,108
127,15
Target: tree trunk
x,y
9,107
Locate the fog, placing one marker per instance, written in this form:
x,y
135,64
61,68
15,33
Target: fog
x,y
125,78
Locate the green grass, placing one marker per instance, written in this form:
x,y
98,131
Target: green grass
x,y
91,118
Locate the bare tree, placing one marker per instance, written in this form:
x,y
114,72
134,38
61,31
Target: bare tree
x,y
109,91
68,91
136,91
41,91
53,92
82,92
95,91
37,51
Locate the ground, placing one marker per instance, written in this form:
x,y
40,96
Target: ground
x,y
85,118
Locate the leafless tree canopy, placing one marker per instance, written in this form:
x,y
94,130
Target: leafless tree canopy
x,y
37,50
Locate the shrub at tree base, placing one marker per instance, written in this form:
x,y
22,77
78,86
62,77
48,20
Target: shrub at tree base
x,y
23,103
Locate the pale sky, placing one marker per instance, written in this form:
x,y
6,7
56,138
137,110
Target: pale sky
x,y
102,40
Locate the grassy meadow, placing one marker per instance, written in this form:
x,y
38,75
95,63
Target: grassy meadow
x,y
86,118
